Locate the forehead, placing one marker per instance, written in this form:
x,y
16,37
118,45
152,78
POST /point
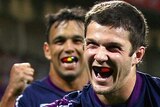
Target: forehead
x,y
67,29
99,31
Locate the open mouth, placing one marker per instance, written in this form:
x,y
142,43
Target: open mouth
x,y
103,72
69,59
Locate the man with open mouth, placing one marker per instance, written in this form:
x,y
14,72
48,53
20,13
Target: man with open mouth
x,y
115,44
64,50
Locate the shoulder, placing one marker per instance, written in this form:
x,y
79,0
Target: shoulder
x,y
150,80
36,86
67,101
149,77
150,90
72,99
27,96
39,86
77,95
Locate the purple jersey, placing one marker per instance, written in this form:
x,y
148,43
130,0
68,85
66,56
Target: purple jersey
x,y
146,93
39,93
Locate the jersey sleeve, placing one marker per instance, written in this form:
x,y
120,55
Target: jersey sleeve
x,y
25,99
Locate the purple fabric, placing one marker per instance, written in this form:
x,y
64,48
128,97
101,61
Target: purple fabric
x,y
136,91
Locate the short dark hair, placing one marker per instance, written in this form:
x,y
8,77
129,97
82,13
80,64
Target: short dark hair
x,y
120,14
65,14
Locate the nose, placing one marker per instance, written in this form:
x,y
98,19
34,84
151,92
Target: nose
x,y
69,47
101,55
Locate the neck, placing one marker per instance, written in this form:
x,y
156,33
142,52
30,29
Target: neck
x,y
76,84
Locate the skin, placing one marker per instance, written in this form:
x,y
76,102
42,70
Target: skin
x,y
20,75
110,47
66,39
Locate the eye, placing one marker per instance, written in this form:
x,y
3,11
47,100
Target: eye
x,y
91,45
78,40
113,48
59,41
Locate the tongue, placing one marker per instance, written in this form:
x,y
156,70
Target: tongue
x,y
104,70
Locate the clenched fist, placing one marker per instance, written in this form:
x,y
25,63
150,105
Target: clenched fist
x,y
20,75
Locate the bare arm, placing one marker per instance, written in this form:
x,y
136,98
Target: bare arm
x,y
20,75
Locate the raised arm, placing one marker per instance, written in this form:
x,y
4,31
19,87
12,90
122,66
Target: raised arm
x,y
20,75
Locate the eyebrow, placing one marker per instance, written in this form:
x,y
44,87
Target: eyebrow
x,y
107,44
78,36
114,43
64,37
89,40
58,38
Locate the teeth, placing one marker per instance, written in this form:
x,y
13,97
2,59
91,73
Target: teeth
x,y
69,59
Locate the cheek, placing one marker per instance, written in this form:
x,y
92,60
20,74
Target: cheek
x,y
55,51
119,58
123,65
89,54
80,49
120,62
89,57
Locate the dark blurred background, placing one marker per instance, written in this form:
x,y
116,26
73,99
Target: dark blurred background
x,y
22,33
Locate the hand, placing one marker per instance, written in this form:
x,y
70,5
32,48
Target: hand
x,y
20,75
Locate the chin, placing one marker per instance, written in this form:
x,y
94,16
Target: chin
x,y
102,89
102,92
69,78
71,74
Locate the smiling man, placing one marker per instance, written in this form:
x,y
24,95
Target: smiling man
x,y
111,65
64,50
115,44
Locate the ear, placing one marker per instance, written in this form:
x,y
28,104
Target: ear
x,y
139,54
46,50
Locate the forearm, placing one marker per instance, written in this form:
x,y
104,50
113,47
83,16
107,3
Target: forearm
x,y
9,98
20,74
